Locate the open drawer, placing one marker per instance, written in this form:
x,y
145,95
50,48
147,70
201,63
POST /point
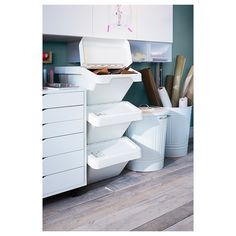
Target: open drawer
x,y
95,54
110,121
105,154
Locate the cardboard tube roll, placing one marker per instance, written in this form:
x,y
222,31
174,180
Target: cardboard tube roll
x,y
179,68
165,100
190,93
169,84
183,102
150,87
187,82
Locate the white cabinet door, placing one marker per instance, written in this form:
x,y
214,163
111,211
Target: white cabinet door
x,y
114,21
155,23
71,20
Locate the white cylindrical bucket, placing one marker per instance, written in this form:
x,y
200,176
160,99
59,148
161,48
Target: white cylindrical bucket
x,y
150,135
177,136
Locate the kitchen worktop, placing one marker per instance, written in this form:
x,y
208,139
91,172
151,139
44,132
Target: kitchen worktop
x,y
51,90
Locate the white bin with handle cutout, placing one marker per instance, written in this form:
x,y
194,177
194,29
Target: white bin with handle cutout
x,y
97,53
150,135
177,136
108,159
110,121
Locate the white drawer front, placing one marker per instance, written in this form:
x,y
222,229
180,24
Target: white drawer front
x,y
62,114
63,99
62,128
63,181
59,163
63,144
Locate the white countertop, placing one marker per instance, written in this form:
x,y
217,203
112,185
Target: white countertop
x,y
50,90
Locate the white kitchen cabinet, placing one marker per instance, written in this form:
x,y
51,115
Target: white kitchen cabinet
x,y
114,21
154,23
64,140
68,20
133,22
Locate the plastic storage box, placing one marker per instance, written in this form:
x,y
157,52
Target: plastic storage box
x,y
108,159
177,136
110,121
96,54
108,117
143,51
150,135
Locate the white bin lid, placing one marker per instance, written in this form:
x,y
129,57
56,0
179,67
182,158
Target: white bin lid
x,y
96,53
113,113
154,111
104,154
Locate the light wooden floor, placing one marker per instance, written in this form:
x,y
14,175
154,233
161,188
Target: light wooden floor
x,y
154,201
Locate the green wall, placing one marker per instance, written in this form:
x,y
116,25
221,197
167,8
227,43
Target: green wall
x,y
59,57
182,37
183,44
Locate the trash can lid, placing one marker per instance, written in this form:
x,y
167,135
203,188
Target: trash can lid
x,y
154,111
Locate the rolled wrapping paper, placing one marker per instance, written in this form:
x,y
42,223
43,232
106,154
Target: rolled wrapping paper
x,y
190,93
165,100
187,82
179,68
169,84
157,75
183,102
150,87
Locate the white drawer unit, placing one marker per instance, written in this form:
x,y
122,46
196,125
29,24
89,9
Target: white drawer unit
x,y
64,140
62,114
63,181
62,128
67,161
64,99
62,144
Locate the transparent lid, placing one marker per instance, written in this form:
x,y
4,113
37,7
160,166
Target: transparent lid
x,y
96,53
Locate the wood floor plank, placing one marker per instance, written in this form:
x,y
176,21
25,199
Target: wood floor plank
x,y
97,190
167,220
132,179
133,200
131,217
84,194
117,201
184,225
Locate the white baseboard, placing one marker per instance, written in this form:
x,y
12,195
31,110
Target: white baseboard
x,y
191,132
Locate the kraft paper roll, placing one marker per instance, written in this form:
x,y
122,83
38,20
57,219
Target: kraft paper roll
x,y
183,102
165,100
150,87
179,68
157,77
190,93
187,82
169,84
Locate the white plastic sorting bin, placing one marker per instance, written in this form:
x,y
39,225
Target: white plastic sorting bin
x,y
108,117
108,159
150,135
177,136
110,121
96,53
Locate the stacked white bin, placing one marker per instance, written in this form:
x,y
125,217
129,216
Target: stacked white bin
x,y
177,136
108,117
150,135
